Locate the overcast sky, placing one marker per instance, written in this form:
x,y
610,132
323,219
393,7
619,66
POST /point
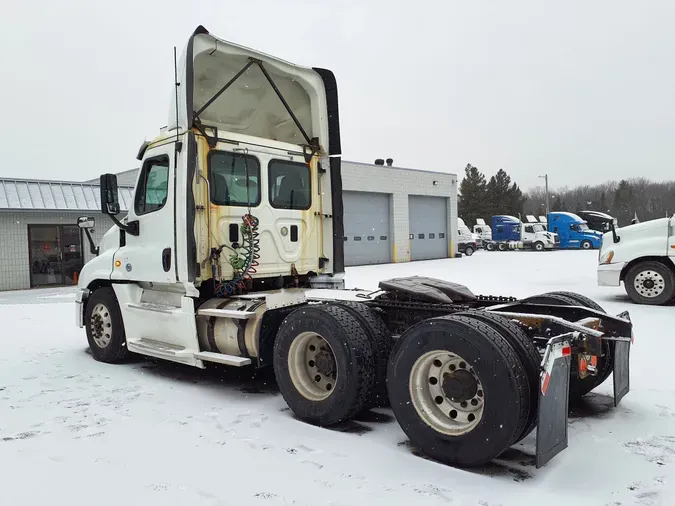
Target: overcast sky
x,y
582,90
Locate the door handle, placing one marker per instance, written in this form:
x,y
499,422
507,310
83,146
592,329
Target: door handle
x,y
166,259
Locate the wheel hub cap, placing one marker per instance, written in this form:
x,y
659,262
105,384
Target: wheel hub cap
x,y
101,325
460,386
446,392
325,363
649,284
312,366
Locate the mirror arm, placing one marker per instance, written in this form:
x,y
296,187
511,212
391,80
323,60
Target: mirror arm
x,y
129,228
92,247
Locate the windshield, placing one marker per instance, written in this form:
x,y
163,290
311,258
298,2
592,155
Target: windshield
x,y
583,226
539,228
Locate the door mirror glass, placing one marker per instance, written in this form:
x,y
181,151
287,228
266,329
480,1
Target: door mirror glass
x,y
109,196
86,222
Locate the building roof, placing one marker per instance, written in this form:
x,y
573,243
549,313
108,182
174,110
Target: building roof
x,y
36,195
124,178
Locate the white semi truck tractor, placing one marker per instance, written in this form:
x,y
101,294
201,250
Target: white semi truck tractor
x,y
642,256
232,253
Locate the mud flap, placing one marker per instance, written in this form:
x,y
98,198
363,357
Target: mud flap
x,y
621,370
553,400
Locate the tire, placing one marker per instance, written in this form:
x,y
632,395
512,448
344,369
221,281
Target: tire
x,y
662,278
502,246
104,327
352,361
527,352
539,246
502,381
381,342
578,387
490,246
586,245
468,251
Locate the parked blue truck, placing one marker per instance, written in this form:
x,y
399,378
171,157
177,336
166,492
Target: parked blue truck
x,y
573,231
509,233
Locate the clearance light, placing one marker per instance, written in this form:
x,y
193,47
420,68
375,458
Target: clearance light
x,y
117,263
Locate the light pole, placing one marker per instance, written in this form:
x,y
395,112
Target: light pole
x,y
545,178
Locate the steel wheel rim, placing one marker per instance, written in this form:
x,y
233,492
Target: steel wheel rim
x,y
586,245
101,325
649,284
440,412
312,366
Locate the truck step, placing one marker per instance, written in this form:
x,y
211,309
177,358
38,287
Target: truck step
x,y
144,345
151,306
226,313
220,358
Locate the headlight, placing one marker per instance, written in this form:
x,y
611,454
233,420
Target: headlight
x,y
606,258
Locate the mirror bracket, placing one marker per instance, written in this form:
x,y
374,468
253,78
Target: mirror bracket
x,y
130,228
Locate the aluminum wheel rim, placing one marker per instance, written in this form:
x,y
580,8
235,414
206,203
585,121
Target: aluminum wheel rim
x,y
101,325
441,413
307,365
586,245
649,284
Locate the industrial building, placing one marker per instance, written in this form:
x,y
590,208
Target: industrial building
x,y
392,214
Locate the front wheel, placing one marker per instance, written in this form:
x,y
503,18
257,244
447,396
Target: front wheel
x,y
468,251
539,246
104,326
586,245
650,283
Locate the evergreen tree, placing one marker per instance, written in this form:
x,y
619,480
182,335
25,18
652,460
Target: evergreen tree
x,y
603,203
499,194
624,203
472,196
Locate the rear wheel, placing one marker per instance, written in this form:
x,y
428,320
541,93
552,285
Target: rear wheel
x,y
579,386
502,246
382,344
323,364
490,246
527,352
650,283
458,390
104,327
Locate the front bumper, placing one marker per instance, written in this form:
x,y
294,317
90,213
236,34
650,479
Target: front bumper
x,y
610,274
80,298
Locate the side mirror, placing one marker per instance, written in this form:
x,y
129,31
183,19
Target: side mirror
x,y
110,203
86,222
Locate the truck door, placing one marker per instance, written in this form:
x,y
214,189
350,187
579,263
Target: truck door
x,y
671,238
150,255
528,233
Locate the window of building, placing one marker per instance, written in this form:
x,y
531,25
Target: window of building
x,y
228,181
153,186
289,185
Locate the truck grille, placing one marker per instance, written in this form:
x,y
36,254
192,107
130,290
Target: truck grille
x,y
557,239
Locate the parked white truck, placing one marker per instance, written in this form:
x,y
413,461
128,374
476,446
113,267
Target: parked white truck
x,y
466,241
642,256
232,253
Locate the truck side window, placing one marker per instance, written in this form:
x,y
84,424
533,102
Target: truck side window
x,y
153,186
529,229
227,178
500,229
289,185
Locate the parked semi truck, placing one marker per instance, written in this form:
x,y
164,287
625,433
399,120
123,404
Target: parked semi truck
x,y
642,256
509,233
466,241
232,253
573,231
482,231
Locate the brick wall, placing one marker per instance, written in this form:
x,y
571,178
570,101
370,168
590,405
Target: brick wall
x,y
14,247
400,183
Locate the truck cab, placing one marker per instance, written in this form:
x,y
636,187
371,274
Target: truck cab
x,y
573,231
642,256
466,241
482,230
598,221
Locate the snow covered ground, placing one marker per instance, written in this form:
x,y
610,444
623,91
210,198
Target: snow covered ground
x,y
74,431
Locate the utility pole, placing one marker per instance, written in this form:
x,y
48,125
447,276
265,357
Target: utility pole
x,y
545,178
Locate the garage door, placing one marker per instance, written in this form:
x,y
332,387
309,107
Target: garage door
x,y
428,227
367,236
